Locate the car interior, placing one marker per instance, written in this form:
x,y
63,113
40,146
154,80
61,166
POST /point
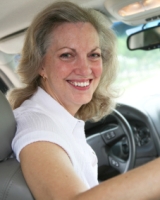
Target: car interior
x,y
127,138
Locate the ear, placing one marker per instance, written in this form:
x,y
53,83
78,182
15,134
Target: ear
x,y
41,71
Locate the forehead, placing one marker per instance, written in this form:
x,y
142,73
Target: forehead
x,y
74,25
74,32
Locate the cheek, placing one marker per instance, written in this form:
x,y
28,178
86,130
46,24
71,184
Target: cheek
x,y
98,70
58,75
54,71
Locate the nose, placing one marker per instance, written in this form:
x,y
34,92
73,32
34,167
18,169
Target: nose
x,y
83,67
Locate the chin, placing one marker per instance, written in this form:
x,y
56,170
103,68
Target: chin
x,y
83,102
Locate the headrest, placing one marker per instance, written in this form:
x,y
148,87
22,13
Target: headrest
x,y
7,127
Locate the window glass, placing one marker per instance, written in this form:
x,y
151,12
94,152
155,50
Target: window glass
x,y
139,70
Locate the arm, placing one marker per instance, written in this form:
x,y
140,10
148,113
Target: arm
x,y
50,175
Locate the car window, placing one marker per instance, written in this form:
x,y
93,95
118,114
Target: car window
x,y
139,70
3,86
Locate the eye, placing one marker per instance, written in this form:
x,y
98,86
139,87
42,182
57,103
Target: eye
x,y
66,55
95,56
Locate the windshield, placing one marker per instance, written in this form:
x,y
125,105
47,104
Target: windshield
x,y
139,71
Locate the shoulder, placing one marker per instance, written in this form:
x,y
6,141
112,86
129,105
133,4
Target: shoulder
x,y
30,115
35,121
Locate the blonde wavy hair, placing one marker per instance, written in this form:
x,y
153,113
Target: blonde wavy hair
x,y
37,41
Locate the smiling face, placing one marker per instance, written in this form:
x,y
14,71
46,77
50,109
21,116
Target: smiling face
x,y
72,65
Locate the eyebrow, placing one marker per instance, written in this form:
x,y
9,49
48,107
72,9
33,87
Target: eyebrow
x,y
96,49
66,48
75,50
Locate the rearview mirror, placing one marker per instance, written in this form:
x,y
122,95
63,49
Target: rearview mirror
x,y
146,39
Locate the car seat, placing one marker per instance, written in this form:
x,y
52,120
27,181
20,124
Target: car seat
x,y
12,183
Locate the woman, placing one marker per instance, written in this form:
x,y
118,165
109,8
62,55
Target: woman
x,y
68,65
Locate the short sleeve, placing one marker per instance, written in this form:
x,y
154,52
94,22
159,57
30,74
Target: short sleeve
x,y
34,127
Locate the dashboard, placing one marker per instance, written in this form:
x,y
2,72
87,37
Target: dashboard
x,y
144,120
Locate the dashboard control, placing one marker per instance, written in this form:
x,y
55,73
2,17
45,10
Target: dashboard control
x,y
110,135
115,163
141,134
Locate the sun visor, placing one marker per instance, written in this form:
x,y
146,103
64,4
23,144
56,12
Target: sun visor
x,y
12,44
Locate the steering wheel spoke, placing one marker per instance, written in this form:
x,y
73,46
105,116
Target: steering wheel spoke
x,y
113,135
118,164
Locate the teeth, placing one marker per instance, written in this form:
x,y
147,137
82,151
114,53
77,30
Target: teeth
x,y
80,84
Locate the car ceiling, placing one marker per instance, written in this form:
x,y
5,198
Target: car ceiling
x,y
16,16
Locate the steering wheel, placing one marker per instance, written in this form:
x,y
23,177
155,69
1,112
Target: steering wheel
x,y
102,143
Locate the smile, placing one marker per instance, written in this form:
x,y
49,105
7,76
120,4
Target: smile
x,y
80,84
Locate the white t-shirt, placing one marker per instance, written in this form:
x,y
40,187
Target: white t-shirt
x,y
41,118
